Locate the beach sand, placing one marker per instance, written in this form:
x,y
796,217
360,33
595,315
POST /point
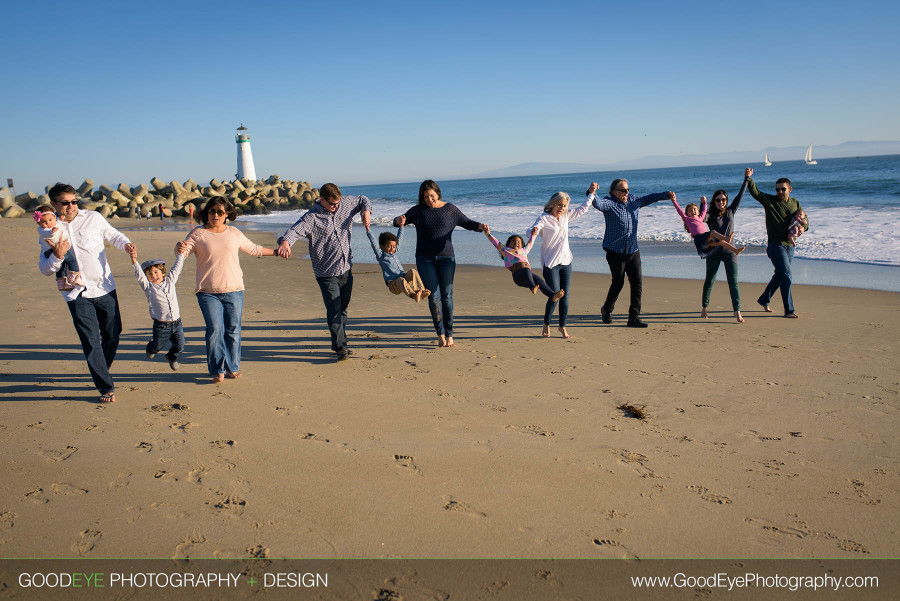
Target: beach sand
x,y
772,438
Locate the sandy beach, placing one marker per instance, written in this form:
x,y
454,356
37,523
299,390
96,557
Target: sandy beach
x,y
772,438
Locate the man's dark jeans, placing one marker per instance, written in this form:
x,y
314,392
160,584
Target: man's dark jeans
x,y
99,324
336,292
621,265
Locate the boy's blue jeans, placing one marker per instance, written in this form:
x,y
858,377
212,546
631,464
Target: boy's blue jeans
x,y
167,331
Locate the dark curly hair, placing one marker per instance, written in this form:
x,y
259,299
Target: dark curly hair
x,y
202,216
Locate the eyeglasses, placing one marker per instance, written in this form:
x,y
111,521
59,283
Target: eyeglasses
x,y
66,203
218,213
622,189
781,189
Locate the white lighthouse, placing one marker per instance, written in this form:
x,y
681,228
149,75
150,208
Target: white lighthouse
x,y
245,166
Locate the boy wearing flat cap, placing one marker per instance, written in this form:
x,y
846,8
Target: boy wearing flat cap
x,y
159,287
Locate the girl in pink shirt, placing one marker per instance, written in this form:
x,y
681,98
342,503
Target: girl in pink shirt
x,y
704,239
515,257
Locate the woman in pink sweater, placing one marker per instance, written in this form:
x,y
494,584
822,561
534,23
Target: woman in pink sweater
x,y
704,239
220,283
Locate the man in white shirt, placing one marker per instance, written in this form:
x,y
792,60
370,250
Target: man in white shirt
x,y
94,306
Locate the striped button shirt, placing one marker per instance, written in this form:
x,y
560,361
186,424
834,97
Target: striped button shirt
x,y
329,235
622,220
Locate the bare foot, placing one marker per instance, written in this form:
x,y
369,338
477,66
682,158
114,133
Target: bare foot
x,y
418,296
442,342
449,341
765,308
546,331
738,251
558,295
218,378
426,293
704,314
738,317
792,316
535,289
564,332
233,375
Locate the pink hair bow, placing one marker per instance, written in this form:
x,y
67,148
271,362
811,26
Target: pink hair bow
x,y
37,216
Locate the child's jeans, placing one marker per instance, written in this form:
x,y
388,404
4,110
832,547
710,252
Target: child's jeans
x,y
167,331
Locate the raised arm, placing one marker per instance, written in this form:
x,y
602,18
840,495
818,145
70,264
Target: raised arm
x,y
761,197
374,243
175,272
678,209
529,244
703,208
643,201
733,207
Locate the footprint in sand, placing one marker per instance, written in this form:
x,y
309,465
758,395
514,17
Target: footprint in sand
x,y
121,481
62,488
38,426
144,447
450,504
37,496
196,474
258,552
859,487
535,430
230,503
6,520
169,407
221,444
88,538
406,462
59,454
183,548
706,495
615,545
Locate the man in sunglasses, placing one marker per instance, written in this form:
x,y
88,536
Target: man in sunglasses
x,y
780,211
94,306
328,227
620,211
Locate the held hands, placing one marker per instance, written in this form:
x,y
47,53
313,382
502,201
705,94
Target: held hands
x,y
181,248
534,232
131,247
132,252
60,248
486,229
284,249
671,195
402,219
367,218
592,188
748,172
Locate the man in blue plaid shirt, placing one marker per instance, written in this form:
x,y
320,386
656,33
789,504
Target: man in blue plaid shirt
x,y
620,211
328,227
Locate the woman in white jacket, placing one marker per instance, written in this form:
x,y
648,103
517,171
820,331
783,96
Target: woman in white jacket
x,y
556,257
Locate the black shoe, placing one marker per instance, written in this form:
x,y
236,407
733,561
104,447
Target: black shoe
x,y
636,323
605,316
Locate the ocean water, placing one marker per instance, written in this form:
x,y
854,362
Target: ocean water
x,y
853,206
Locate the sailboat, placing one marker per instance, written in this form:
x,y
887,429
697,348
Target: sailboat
x,y
809,160
768,163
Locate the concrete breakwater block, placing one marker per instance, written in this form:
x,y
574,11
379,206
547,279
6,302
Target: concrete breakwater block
x,y
25,198
13,212
125,190
158,184
86,187
6,199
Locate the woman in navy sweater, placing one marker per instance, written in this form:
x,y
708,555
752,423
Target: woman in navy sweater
x,y
435,221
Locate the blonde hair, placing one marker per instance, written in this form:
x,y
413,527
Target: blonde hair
x,y
560,198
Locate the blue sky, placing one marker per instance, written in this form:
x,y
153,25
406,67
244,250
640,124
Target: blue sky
x,y
402,91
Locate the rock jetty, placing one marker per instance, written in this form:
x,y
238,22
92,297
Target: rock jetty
x,y
253,197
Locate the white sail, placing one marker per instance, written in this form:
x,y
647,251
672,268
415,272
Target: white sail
x,y
768,163
809,160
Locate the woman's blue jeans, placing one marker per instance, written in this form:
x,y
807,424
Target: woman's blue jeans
x,y
222,314
437,274
558,278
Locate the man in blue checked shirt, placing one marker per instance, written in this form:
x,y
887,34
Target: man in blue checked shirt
x,y
620,210
328,227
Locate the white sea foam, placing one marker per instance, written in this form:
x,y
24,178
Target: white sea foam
x,y
852,234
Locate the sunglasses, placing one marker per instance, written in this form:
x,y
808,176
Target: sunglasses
x,y
66,203
721,199
781,189
329,203
622,189
218,213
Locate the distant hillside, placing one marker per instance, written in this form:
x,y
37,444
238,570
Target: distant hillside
x,y
790,153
